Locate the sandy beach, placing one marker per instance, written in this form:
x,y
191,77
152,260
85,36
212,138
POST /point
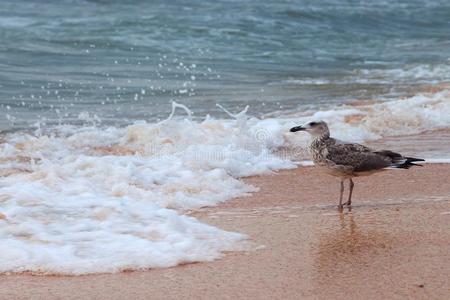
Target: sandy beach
x,y
393,244
162,149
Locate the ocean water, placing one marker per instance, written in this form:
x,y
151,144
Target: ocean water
x,y
118,117
122,61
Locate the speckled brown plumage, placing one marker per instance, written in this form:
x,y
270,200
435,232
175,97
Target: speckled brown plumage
x,y
347,160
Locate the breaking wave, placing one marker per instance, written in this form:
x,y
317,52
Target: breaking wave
x,y
78,200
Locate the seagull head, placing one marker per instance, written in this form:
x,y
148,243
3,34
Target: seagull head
x,y
318,128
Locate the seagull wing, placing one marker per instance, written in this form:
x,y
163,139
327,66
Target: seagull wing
x,y
357,157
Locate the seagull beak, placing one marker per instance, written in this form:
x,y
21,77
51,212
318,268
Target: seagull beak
x,y
297,128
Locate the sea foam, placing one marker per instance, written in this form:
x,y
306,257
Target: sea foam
x,y
89,200
373,121
79,200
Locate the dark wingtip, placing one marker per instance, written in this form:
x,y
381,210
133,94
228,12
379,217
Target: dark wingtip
x,y
412,159
410,162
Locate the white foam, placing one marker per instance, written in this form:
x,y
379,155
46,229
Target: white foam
x,y
83,200
306,163
436,161
422,112
103,200
421,73
418,73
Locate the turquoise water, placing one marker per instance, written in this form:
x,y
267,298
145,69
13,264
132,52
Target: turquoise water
x,y
119,61
112,197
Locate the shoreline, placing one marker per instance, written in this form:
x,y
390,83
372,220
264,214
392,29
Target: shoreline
x,y
393,244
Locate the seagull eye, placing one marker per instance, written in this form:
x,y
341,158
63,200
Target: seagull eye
x,y
312,124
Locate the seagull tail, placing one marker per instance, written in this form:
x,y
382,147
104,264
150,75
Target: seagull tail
x,y
409,162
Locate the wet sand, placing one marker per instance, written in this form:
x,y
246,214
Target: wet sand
x,y
393,244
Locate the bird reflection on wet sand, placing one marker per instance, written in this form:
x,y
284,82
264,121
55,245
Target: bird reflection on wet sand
x,y
350,243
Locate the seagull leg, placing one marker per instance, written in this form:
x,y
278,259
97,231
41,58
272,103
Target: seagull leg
x,y
349,201
342,193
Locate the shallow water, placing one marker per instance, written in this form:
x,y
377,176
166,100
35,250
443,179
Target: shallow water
x,y
76,61
96,174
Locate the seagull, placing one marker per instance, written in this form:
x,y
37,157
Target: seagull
x,y
347,160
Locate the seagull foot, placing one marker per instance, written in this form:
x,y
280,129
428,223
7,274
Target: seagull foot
x,y
349,203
